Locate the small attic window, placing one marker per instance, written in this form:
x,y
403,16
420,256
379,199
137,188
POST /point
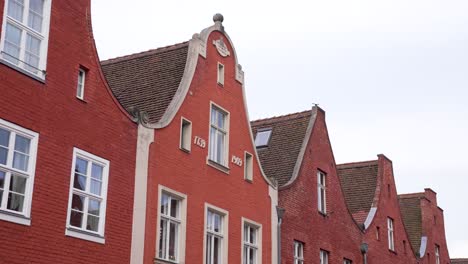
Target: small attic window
x,y
262,138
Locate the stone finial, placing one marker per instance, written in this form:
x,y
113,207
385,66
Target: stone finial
x,y
218,18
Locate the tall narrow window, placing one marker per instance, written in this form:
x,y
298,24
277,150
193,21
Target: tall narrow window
x,y
347,261
169,227
391,242
219,125
321,192
81,84
437,254
251,244
220,74
88,196
248,167
298,252
24,38
323,257
18,148
185,134
214,237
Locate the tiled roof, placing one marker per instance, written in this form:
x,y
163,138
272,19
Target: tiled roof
x,y
358,181
410,206
459,261
279,158
147,80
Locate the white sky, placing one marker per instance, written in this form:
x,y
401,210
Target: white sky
x,y
392,75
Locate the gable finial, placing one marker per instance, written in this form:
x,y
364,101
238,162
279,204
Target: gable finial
x,y
218,18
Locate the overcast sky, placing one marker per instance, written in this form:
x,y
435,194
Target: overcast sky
x,y
391,75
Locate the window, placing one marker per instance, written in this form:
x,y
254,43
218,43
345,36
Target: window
x,y
18,148
321,191
219,126
263,138
404,246
88,196
323,257
215,237
220,73
172,225
298,252
24,35
185,134
81,84
391,244
347,261
251,243
248,167
377,233
437,254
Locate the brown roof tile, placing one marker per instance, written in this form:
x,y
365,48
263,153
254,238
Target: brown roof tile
x,y
279,158
459,261
410,207
147,80
359,182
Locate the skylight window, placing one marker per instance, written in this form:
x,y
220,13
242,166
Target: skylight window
x,y
262,138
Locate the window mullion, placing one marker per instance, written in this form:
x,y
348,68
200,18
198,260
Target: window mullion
x,y
168,235
11,147
84,223
6,189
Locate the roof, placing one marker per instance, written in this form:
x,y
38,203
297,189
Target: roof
x,y
359,183
279,158
147,80
410,207
459,261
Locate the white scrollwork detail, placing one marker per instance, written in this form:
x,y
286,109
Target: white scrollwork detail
x,y
221,47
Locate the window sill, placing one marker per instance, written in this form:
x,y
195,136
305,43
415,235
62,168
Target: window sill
x,y
248,180
184,150
218,166
77,233
81,100
23,71
14,218
323,214
392,251
163,261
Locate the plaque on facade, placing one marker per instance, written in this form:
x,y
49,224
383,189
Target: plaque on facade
x,y
221,47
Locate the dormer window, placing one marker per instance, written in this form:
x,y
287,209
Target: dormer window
x,y
25,35
263,138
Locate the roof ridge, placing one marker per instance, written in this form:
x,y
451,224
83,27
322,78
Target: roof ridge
x,y
145,53
410,195
356,164
283,117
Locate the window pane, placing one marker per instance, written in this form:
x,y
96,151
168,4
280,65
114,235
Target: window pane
x,y
15,9
20,161
212,144
79,182
35,14
81,166
2,179
78,202
164,204
22,144
3,155
262,138
208,249
213,116
93,223
76,218
12,43
162,239
217,223
216,250
246,255
96,187
220,120
253,236
4,137
173,241
18,184
174,208
253,256
37,6
94,207
96,171
15,202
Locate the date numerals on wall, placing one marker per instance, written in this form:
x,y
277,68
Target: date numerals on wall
x,y
236,160
199,142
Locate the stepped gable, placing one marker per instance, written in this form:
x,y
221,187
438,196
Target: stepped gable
x,y
410,207
147,80
359,183
279,158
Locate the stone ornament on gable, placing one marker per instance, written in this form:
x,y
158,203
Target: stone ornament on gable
x,y
221,47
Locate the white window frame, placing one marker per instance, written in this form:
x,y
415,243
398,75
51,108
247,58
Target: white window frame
x,y
322,196
82,232
80,86
23,218
181,239
25,29
224,235
298,252
323,256
224,162
437,254
185,135
390,234
258,246
248,166
258,143
220,70
347,261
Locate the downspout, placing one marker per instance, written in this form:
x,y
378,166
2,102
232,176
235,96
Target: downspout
x,y
280,212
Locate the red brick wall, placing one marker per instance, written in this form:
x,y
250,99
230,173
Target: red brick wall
x,y
337,232
189,173
97,125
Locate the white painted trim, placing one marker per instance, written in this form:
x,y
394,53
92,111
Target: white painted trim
x,y
422,248
273,193
370,217
145,138
225,245
81,96
183,221
259,237
220,69
182,120
248,169
71,233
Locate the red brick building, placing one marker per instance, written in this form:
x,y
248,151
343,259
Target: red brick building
x,y
67,148
204,197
